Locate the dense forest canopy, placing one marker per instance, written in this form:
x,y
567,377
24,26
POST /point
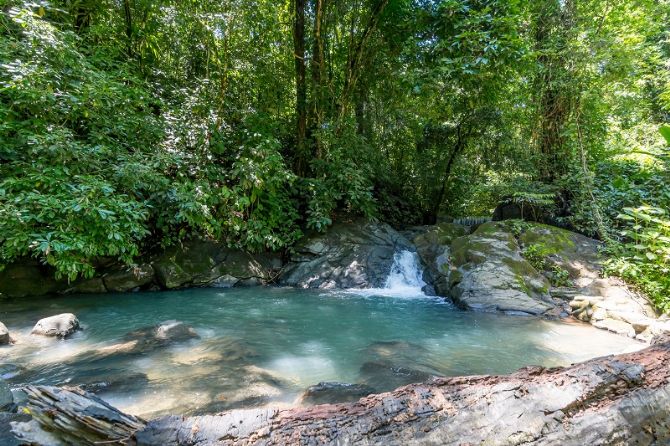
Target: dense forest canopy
x,y
126,125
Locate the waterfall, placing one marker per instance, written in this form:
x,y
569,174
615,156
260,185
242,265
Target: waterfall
x,y
405,277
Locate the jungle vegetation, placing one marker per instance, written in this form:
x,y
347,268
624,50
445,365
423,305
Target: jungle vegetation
x,y
129,125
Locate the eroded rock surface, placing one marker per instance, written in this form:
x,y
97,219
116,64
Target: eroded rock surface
x,y
347,255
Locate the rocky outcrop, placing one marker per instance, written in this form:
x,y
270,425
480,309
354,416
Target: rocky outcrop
x,y
609,304
434,248
347,255
5,338
201,263
614,400
488,273
194,263
28,278
61,326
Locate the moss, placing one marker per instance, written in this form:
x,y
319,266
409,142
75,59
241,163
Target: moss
x,y
554,240
490,228
448,232
519,267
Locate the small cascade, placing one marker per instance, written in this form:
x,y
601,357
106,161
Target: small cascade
x,y
405,277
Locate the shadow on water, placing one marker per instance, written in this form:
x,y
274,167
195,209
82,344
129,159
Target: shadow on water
x,y
250,347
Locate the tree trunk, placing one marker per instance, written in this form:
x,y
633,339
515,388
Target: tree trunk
x,y
318,66
613,400
128,18
355,62
300,86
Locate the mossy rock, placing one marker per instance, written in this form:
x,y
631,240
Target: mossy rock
x,y
578,254
489,273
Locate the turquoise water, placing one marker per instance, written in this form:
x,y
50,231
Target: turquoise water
x,y
262,346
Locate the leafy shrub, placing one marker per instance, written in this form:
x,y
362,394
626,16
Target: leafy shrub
x,y
643,255
65,125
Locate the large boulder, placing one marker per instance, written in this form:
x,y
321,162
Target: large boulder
x,y
348,255
126,279
489,273
61,326
434,249
206,263
5,339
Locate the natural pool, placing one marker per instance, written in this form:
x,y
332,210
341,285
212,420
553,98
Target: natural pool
x,y
260,346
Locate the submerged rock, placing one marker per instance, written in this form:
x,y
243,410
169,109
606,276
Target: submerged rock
x,y
61,325
149,338
488,273
335,392
347,255
5,339
389,375
6,397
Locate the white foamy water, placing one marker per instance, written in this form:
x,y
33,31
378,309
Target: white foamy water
x,y
404,280
406,275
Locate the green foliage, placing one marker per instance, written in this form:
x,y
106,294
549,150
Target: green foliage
x,y
643,255
538,255
341,181
125,129
66,124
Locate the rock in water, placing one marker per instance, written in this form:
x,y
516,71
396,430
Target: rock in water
x,y
4,335
6,398
334,392
61,325
348,255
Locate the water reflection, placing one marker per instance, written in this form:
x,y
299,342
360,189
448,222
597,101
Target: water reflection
x,y
263,346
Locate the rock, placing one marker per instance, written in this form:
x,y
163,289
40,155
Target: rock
x,y
616,326
175,331
434,249
28,279
206,263
110,380
74,417
129,279
347,255
488,273
334,392
61,325
610,305
383,374
148,339
5,339
90,286
7,438
613,400
6,397
247,386
575,253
